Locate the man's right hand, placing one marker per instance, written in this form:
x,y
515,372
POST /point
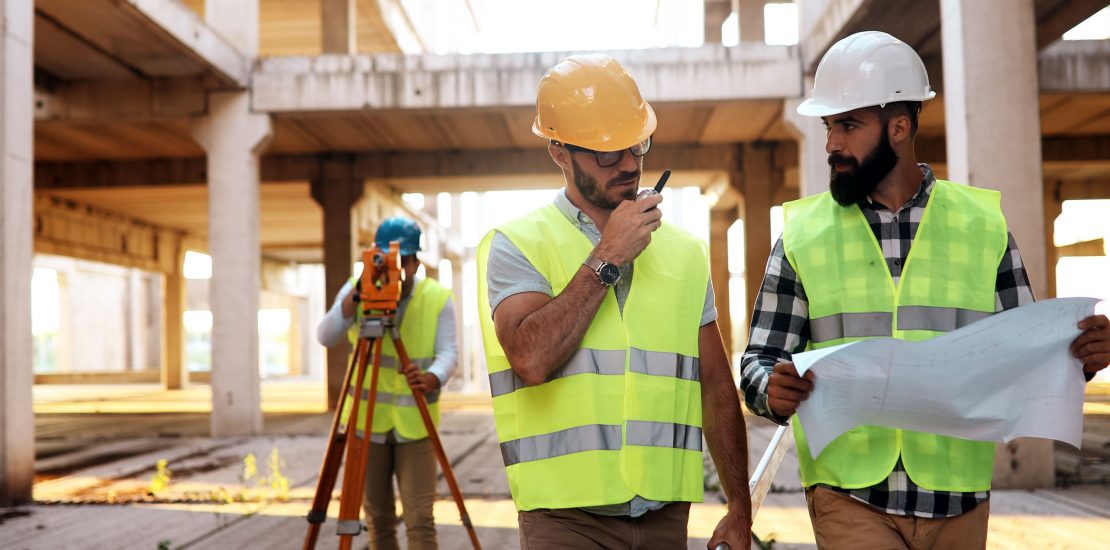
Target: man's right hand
x,y
628,230
786,390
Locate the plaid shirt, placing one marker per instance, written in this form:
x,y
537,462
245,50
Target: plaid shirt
x,y
780,327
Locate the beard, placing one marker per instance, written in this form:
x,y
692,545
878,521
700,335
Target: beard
x,y
851,187
587,185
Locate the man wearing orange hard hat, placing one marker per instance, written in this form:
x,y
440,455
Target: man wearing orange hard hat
x,y
601,339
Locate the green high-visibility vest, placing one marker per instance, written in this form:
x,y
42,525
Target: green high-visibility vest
x,y
622,417
395,407
948,281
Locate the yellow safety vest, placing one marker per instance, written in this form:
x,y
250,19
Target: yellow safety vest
x,y
395,407
622,417
948,281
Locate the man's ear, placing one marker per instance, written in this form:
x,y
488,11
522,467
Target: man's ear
x,y
898,130
560,155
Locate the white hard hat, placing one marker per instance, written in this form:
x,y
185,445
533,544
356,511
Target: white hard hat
x,y
866,69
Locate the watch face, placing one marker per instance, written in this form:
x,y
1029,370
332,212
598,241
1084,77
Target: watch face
x,y
609,274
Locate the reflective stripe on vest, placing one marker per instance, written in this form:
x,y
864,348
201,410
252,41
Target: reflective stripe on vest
x,y
878,324
622,416
601,437
609,363
948,281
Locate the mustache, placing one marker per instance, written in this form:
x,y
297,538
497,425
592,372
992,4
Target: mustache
x,y
837,159
625,177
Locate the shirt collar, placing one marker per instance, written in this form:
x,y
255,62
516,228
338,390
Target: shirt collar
x,y
919,198
572,212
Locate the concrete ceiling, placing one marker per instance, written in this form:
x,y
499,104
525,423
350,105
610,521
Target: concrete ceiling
x,y
917,23
292,27
81,41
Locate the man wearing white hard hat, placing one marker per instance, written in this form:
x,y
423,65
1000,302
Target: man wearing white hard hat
x,y
889,251
601,339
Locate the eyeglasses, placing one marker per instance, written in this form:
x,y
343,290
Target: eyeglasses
x,y
606,159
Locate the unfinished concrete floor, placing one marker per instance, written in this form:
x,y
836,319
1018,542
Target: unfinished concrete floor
x,y
98,454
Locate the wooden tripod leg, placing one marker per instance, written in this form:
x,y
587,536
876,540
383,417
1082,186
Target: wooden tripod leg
x,y
358,451
448,473
329,468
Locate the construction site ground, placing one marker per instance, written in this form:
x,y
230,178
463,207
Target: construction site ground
x,y
99,484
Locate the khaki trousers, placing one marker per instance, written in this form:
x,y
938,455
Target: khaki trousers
x,y
574,529
840,521
415,466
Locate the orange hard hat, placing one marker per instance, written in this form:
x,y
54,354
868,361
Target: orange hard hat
x,y
592,101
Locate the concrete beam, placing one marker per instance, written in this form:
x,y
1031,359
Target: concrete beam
x,y
340,83
66,228
200,40
1052,24
237,20
113,100
366,166
1075,66
823,21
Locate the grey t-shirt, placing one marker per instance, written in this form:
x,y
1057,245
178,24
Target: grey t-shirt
x,y
509,272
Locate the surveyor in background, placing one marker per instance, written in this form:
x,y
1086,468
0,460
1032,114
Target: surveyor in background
x,y
399,443
843,271
601,339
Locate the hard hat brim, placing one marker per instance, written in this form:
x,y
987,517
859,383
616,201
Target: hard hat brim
x,y
814,108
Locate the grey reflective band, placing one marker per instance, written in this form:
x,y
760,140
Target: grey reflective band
x,y
390,362
664,434
592,437
939,319
657,363
584,361
423,362
386,398
850,325
382,438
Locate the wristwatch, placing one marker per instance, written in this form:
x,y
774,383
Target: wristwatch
x,y
607,273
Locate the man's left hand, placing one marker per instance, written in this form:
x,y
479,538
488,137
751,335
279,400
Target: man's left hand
x,y
1093,346
424,382
735,530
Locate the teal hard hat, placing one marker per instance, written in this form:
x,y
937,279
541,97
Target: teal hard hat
x,y
399,228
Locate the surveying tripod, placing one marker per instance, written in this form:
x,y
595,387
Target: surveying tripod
x,y
379,292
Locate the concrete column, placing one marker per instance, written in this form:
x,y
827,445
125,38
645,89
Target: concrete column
x,y
716,11
466,369
234,138
136,322
336,191
757,180
751,21
338,26
992,113
719,222
175,373
813,165
993,132
17,425
1053,207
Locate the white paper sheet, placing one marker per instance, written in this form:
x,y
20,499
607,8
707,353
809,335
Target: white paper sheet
x,y
1009,375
